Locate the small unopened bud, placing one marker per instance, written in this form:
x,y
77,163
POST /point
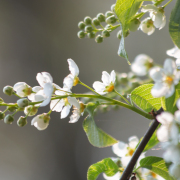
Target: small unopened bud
x,y
109,13
87,20
111,19
8,90
22,102
113,7
2,115
22,121
81,25
30,110
8,119
99,39
1,100
12,108
108,27
96,22
105,33
101,17
127,33
91,35
81,34
119,34
134,25
88,29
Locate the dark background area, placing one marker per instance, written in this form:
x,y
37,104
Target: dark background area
x,y
40,35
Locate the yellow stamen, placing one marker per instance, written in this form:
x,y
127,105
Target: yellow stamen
x,y
82,107
110,88
153,174
131,151
66,102
169,80
76,81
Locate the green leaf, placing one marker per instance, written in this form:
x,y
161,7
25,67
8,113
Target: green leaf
x,y
157,165
142,97
174,24
106,165
170,103
125,11
96,136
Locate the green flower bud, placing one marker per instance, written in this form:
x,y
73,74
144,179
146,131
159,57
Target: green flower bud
x,y
105,33
87,20
91,35
81,25
31,110
127,33
1,100
12,108
2,115
88,29
8,119
108,14
81,34
22,121
99,39
134,25
111,19
96,22
113,7
22,102
108,26
119,34
8,90
101,17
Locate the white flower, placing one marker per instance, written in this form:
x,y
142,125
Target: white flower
x,y
41,121
157,15
64,105
108,83
72,79
175,170
78,111
115,177
165,79
125,151
141,65
147,26
22,89
150,175
45,90
175,52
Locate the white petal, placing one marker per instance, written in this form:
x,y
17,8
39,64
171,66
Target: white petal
x,y
57,105
31,97
48,77
45,102
139,70
174,52
36,88
159,90
165,118
115,177
73,67
74,117
18,85
169,66
98,86
125,160
113,76
73,101
151,30
106,79
39,97
39,123
65,111
178,103
170,91
178,63
48,89
158,20
68,81
40,79
163,23
133,141
120,149
56,86
174,170
162,134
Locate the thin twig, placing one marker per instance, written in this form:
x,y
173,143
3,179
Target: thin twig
x,y
127,172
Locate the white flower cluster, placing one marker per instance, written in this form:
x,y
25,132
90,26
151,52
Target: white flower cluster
x,y
169,136
124,152
62,100
44,93
157,19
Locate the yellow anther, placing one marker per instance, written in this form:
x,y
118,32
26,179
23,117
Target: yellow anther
x,y
76,81
169,80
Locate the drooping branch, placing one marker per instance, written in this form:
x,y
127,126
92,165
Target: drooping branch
x,y
127,172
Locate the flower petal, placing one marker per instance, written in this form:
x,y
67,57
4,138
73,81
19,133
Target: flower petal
x,y
73,101
159,89
99,86
68,81
174,52
57,105
115,177
36,88
73,67
106,79
170,67
65,111
133,141
18,85
113,76
149,8
120,149
162,133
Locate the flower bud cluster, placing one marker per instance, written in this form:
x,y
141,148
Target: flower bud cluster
x,y
93,27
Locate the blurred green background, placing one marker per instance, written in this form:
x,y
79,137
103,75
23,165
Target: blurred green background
x,y
40,35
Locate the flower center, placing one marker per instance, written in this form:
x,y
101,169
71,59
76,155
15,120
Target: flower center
x,y
149,65
76,81
153,174
169,80
149,23
66,102
110,88
27,91
82,107
130,151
